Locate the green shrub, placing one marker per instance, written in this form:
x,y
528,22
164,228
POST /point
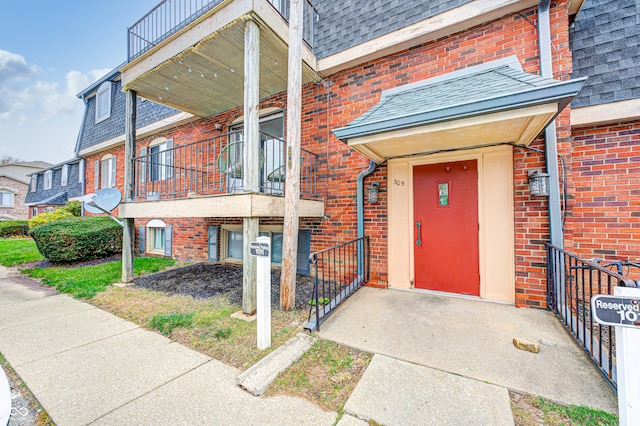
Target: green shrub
x,y
78,238
43,218
74,207
13,228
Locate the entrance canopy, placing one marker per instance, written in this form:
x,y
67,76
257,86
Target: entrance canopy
x,y
495,102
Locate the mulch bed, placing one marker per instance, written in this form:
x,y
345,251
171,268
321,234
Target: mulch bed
x,y
203,280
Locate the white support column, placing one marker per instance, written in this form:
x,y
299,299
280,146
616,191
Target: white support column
x,y
129,154
292,189
628,367
251,157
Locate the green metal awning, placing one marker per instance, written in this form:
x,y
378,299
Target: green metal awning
x,y
489,103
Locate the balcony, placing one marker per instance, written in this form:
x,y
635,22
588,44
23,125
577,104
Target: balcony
x,y
205,179
190,54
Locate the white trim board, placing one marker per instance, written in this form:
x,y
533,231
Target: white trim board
x,y
606,113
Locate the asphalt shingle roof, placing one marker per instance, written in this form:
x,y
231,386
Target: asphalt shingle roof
x,y
605,46
490,87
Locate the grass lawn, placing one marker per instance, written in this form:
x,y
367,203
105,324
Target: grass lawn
x,y
205,325
85,281
16,251
529,410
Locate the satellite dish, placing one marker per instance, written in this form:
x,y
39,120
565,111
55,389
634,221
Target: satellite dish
x,y
102,201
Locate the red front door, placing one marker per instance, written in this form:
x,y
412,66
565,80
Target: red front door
x,y
445,214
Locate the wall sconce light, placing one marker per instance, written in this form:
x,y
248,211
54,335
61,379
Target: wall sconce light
x,y
218,126
538,184
372,192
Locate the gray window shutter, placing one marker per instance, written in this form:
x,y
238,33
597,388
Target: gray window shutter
x,y
213,244
113,172
143,164
168,159
96,174
304,250
142,231
167,240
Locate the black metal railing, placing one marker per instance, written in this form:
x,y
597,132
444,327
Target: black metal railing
x,y
164,20
309,18
571,283
171,16
339,271
215,166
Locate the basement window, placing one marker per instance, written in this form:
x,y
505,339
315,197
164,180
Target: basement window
x,y
156,236
232,247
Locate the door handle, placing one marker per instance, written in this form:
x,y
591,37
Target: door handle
x,y
419,240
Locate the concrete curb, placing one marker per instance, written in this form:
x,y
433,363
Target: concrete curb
x,y
257,378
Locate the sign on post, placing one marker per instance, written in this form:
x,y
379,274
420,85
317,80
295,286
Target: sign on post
x,y
262,250
623,311
616,310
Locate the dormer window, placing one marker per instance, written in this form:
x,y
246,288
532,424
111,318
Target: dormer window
x,y
34,182
103,101
48,179
64,175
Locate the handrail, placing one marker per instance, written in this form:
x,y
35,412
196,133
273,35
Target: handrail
x,y
170,16
571,283
195,169
338,272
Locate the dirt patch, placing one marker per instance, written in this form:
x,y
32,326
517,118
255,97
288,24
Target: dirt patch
x,y
205,280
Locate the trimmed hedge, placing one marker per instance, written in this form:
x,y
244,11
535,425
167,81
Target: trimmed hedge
x,y
48,217
78,238
14,228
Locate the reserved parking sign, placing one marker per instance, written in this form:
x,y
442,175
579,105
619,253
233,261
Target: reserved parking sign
x,y
616,310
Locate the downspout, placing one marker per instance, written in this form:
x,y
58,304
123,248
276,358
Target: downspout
x,y
551,144
360,213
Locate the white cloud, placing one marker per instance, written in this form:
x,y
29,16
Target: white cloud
x,y
13,66
41,116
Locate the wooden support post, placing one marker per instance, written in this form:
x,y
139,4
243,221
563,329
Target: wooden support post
x,y
129,154
292,190
251,158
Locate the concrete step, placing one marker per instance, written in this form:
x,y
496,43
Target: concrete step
x,y
259,376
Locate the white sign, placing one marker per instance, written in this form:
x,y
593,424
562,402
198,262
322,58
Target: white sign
x,y
262,248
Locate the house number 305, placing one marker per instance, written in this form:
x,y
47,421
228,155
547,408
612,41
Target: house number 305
x,y
398,182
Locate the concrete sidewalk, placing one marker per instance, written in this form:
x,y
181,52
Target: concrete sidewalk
x,y
434,339
86,366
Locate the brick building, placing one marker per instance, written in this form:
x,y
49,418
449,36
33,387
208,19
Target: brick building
x,y
14,186
51,187
445,110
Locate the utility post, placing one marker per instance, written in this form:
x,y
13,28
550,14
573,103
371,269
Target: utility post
x,y
292,179
129,176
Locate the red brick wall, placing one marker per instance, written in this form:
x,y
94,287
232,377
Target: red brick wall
x,y
89,170
344,96
606,164
340,98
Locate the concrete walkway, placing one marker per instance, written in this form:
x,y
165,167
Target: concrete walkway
x,y
86,366
454,358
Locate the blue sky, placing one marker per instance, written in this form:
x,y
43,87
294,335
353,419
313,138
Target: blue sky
x,y
50,51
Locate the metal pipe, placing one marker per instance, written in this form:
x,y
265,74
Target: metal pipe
x,y
551,144
360,210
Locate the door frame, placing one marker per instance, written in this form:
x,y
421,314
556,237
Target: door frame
x,y
496,244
